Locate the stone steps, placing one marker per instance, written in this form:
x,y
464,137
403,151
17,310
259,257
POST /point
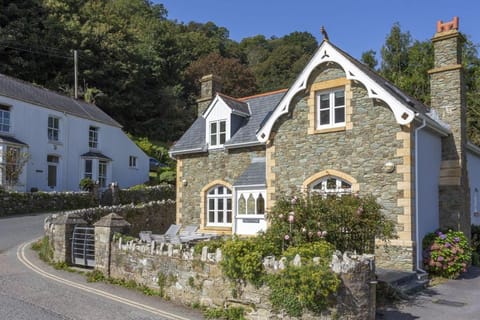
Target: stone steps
x,y
405,284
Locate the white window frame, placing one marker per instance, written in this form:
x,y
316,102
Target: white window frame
x,y
218,134
331,108
102,173
5,119
53,130
256,195
216,198
93,133
320,186
132,162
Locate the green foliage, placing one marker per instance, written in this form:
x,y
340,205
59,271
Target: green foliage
x,y
86,184
309,286
44,249
242,260
475,243
446,254
306,287
230,313
349,222
95,276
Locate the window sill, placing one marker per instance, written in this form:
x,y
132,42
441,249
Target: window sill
x,y
328,130
55,142
214,229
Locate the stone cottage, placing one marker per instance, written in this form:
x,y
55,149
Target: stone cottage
x,y
340,128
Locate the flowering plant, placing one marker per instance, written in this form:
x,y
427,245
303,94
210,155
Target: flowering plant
x,y
446,253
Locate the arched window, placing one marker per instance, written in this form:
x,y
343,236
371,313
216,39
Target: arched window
x,y
331,185
219,206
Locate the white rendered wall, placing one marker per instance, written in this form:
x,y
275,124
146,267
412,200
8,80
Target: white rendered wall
x,y
429,161
29,125
473,167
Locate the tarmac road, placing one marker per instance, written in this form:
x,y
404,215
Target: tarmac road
x,y
30,289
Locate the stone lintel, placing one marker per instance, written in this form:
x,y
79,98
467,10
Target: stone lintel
x,y
395,242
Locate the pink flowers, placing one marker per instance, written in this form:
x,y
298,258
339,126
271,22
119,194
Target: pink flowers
x,y
291,218
287,237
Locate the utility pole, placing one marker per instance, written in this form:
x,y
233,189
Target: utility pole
x,y
75,72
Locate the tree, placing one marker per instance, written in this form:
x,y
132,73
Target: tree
x,y
369,59
14,161
237,79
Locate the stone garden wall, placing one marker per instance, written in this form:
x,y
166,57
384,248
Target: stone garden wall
x,y
190,278
198,279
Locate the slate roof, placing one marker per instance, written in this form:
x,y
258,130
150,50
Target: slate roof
x,y
253,175
259,106
21,90
237,106
98,155
13,140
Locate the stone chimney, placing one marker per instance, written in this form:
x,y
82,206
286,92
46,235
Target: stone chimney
x,y
210,85
448,97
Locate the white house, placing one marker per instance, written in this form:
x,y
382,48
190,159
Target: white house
x,y
64,140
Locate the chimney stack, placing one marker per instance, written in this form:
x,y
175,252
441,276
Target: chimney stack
x,y
210,85
448,98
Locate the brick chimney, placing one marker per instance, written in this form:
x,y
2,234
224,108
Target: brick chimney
x,y
210,85
448,97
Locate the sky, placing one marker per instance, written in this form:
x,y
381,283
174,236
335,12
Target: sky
x,y
355,26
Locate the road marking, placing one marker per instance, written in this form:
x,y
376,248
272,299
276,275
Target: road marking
x,y
21,256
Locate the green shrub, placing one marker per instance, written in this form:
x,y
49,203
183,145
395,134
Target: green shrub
x,y
307,287
86,184
231,313
446,254
311,218
242,260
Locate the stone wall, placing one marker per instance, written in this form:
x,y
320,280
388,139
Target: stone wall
x,y
21,203
190,279
360,151
155,216
196,172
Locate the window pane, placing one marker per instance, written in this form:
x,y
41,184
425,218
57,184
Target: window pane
x,y
331,183
324,117
229,216
222,138
213,127
223,126
260,204
213,139
211,204
229,204
220,217
242,205
220,205
339,115
324,101
211,217
339,98
211,191
251,204
88,165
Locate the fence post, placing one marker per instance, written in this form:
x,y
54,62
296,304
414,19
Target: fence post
x,y
62,236
105,228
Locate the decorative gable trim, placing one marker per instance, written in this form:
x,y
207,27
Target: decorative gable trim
x,y
328,53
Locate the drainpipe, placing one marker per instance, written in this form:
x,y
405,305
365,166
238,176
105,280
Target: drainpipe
x,y
417,232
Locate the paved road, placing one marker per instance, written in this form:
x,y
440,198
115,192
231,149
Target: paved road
x,y
29,289
455,299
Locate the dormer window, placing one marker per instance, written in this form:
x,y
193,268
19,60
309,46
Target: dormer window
x,y
218,132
